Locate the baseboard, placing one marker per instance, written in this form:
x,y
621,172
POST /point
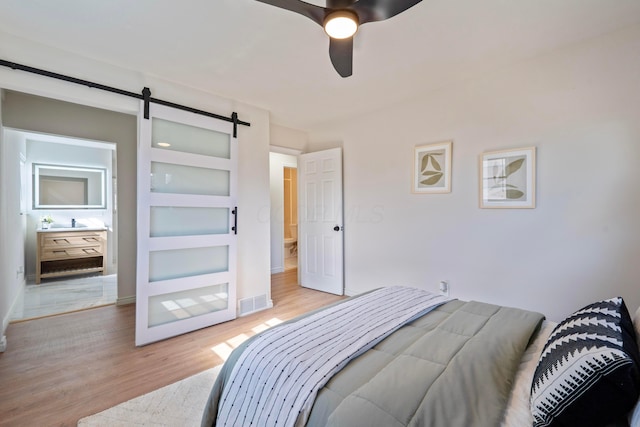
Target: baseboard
x,y
7,318
126,300
348,292
5,325
275,270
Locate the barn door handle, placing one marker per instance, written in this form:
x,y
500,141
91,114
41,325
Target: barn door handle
x,y
235,220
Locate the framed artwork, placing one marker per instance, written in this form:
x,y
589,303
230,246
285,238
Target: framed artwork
x,y
432,168
508,179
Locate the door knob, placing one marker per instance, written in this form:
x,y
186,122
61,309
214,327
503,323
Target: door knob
x,y
336,228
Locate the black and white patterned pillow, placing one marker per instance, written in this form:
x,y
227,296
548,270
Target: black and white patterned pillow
x,y
589,370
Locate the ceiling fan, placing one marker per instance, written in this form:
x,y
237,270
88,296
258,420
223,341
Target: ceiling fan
x,y
340,20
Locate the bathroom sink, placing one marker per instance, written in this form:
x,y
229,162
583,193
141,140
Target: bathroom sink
x,y
57,225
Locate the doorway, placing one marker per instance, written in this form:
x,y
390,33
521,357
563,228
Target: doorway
x,y
64,287
318,212
283,165
45,115
290,225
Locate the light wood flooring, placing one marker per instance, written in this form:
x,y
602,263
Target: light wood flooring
x,y
59,369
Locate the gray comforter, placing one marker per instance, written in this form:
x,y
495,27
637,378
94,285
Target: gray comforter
x,y
452,367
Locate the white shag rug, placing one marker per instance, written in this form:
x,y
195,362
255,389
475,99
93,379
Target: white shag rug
x,y
179,404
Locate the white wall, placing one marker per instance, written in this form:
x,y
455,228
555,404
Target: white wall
x,y
254,276
253,238
12,262
293,139
580,107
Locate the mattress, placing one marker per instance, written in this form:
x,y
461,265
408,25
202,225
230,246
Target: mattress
x,y
453,367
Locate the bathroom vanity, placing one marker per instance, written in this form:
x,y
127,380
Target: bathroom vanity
x,y
70,251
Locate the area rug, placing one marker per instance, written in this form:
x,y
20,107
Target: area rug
x,y
179,404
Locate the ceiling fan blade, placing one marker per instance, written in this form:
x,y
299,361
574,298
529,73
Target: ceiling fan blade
x,y
379,10
311,11
341,54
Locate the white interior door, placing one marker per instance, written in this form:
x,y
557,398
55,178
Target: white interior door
x,y
320,238
186,266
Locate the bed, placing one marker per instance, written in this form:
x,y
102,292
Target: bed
x,y
406,357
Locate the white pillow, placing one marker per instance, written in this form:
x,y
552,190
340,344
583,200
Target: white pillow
x,y
634,418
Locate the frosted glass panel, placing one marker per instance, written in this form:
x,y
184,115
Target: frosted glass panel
x,y
189,139
178,179
176,306
180,221
177,263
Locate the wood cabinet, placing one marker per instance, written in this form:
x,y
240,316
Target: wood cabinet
x,y
65,253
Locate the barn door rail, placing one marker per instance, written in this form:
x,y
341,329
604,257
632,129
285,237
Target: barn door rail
x,y
145,95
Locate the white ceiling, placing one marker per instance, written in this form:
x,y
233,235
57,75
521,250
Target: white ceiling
x,y
278,60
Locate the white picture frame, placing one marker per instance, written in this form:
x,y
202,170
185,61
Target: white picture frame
x,y
508,179
432,168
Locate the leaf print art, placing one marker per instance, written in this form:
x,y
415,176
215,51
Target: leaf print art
x,y
430,168
504,181
508,179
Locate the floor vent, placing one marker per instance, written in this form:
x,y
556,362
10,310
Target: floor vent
x,y
249,305
260,302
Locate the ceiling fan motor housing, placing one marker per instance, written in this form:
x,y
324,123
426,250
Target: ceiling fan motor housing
x,y
341,24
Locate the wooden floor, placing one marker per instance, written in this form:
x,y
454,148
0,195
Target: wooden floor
x,y
59,369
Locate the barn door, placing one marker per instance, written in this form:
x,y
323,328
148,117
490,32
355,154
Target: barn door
x,y
187,173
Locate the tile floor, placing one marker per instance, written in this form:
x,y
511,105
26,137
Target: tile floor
x,y
60,296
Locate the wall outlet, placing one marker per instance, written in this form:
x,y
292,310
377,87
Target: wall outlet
x,y
444,288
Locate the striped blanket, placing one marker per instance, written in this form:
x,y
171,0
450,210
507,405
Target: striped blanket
x,y
276,379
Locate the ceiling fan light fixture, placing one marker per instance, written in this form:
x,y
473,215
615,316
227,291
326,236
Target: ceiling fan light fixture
x,y
341,24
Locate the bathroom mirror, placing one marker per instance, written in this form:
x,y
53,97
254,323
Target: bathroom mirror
x,y
68,187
